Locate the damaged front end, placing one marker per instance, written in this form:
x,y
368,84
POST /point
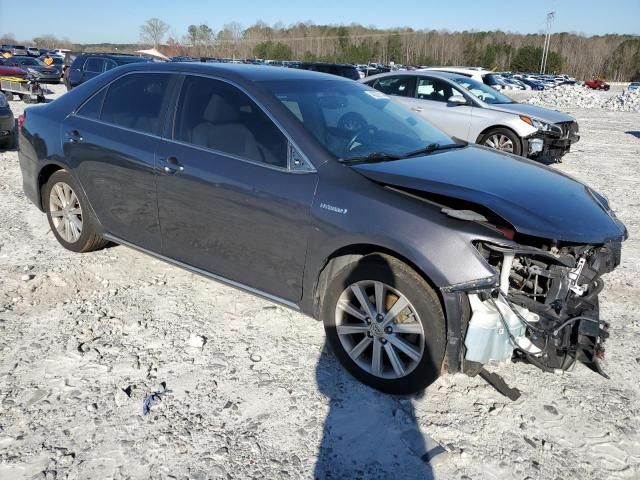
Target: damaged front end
x,y
544,310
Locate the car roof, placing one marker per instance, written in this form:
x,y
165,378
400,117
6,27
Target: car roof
x,y
421,72
463,70
236,71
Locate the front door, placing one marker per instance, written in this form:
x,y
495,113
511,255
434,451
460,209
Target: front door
x,y
228,202
431,101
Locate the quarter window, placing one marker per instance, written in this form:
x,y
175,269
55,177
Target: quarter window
x,y
137,101
216,115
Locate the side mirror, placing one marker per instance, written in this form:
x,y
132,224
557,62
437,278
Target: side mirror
x,y
456,100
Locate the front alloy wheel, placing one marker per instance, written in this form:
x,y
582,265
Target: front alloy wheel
x,y
384,323
384,338
499,142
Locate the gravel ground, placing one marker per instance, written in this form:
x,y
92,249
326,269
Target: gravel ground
x,y
253,391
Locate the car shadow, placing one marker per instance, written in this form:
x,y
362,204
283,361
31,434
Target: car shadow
x,y
635,133
368,434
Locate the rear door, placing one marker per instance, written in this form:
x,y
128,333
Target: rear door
x,y
228,201
110,144
431,101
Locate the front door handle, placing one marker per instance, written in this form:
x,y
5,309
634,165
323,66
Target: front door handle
x,y
416,109
171,165
74,136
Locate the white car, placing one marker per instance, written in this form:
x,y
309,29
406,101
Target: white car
x,y
60,52
470,110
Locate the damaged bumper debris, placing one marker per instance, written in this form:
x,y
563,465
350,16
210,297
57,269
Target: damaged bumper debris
x,y
554,143
544,308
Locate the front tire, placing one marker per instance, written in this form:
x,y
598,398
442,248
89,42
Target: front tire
x,y
69,215
385,324
503,140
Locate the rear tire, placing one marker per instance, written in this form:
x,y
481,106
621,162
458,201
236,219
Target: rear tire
x,y
503,140
9,96
69,214
9,142
404,356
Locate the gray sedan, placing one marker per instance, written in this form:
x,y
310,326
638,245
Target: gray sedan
x,y
420,254
472,111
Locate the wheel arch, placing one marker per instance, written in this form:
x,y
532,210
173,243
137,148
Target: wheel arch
x,y
347,254
497,127
43,177
455,306
45,174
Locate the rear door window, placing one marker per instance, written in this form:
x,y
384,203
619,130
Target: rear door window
x,y
92,107
109,64
401,86
216,115
137,101
94,65
435,90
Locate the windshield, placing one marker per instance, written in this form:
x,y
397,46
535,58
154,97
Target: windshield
x,y
352,120
482,91
31,62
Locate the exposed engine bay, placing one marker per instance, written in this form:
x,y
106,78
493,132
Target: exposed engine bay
x,y
545,310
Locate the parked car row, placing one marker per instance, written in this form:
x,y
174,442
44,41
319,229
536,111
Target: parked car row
x,y
421,253
31,51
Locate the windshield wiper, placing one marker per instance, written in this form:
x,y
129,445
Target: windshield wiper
x,y
372,157
385,157
434,147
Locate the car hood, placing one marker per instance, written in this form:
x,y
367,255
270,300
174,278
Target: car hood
x,y
42,69
550,116
534,199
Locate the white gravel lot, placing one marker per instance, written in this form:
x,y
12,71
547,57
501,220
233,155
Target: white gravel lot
x,y
254,393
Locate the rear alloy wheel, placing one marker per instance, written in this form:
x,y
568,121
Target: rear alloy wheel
x,y
503,140
66,212
70,218
385,324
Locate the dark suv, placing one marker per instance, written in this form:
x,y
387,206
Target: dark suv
x,y
340,69
421,254
89,65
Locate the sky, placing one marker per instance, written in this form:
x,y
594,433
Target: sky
x,y
118,21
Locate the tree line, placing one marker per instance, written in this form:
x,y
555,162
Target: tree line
x,y
614,57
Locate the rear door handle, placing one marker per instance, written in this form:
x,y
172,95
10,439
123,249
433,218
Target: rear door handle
x,y
416,109
74,136
171,165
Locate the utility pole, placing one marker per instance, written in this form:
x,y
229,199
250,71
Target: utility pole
x,y
547,42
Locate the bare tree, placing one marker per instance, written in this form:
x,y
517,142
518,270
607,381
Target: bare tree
x,y
153,31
